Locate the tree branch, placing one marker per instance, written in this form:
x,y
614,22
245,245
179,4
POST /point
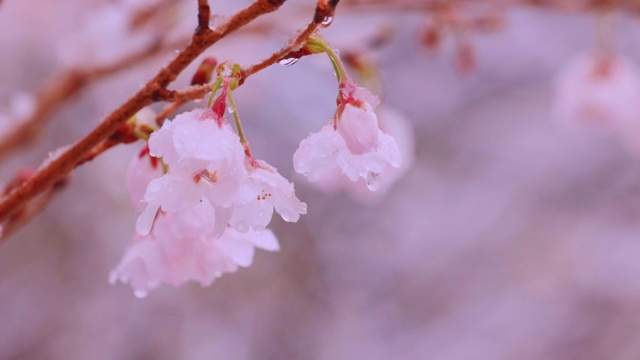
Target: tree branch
x,y
204,15
63,87
153,91
324,9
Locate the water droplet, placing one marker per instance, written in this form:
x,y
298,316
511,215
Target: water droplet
x,y
231,110
140,294
288,61
327,21
373,181
241,226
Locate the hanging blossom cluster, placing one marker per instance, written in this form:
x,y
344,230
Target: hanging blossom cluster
x,y
351,143
205,201
392,123
205,206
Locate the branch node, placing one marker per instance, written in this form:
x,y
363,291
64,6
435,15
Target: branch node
x,y
204,15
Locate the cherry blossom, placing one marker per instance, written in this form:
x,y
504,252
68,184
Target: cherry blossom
x,y
352,140
358,126
604,92
273,192
205,160
395,124
143,168
205,204
184,246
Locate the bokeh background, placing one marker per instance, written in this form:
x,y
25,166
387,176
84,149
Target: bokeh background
x,y
510,236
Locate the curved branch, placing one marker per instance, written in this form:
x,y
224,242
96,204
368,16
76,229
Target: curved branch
x,y
324,9
151,92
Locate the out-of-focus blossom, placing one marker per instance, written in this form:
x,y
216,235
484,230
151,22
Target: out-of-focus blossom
x,y
20,107
184,246
352,140
108,36
601,92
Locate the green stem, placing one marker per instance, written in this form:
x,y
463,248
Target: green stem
x,y
341,73
214,89
317,45
141,135
236,118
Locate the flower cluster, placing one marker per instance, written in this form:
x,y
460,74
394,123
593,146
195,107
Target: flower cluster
x,y
205,201
205,206
352,141
394,124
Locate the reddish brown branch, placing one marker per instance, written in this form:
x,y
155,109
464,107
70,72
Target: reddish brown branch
x,y
28,213
152,91
324,9
63,87
204,14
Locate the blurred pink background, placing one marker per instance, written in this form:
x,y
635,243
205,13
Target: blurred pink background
x,y
510,237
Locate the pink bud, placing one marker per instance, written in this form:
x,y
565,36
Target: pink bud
x,y
358,125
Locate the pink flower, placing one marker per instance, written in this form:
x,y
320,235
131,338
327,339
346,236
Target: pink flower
x,y
184,246
208,212
107,37
399,127
602,92
351,140
205,160
143,168
358,126
273,192
197,140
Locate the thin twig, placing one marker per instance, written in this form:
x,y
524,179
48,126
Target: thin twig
x,y
193,92
204,15
323,10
